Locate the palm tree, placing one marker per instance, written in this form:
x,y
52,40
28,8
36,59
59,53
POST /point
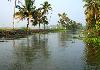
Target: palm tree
x,y
45,20
92,13
15,1
25,11
64,20
29,12
45,9
37,16
40,14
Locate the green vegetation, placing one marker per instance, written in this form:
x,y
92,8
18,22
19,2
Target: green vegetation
x,y
28,11
33,14
92,13
66,23
21,32
93,41
38,16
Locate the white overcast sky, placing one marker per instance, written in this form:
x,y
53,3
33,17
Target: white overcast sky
x,y
74,9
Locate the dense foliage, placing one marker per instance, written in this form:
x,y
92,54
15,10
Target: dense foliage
x,y
92,13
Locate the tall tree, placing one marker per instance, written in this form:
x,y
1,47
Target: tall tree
x,y
64,20
25,11
67,23
92,14
45,9
15,1
40,14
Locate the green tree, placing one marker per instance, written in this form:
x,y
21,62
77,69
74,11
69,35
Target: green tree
x,y
40,14
45,9
92,14
37,16
64,20
68,23
25,11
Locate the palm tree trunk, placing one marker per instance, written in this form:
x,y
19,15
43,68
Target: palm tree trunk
x,y
39,26
13,23
94,18
14,14
27,28
44,26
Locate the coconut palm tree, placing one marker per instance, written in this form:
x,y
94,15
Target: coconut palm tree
x,y
40,14
92,13
64,20
25,11
45,20
45,9
29,12
37,16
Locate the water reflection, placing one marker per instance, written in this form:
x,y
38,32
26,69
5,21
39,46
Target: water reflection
x,y
92,57
29,50
65,38
53,51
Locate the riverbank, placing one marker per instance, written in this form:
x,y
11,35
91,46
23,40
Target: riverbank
x,y
18,33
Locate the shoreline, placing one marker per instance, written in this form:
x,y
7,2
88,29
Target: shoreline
x,y
20,33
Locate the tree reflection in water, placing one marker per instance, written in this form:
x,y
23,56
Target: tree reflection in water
x,y
66,38
92,57
28,51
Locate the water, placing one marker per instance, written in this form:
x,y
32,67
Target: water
x,y
53,51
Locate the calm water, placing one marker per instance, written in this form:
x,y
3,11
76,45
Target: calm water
x,y
53,51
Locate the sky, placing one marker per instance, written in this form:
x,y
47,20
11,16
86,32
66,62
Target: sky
x,y
73,8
